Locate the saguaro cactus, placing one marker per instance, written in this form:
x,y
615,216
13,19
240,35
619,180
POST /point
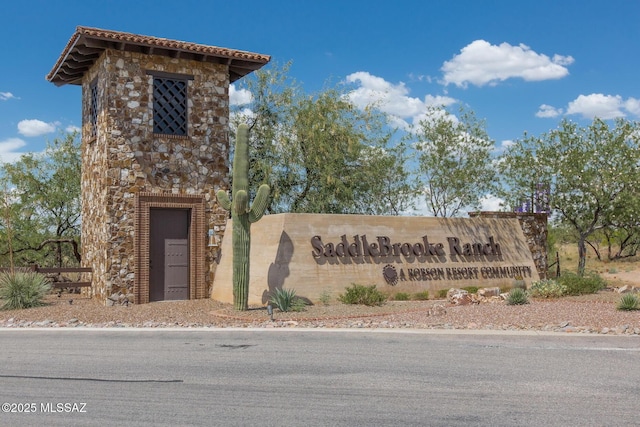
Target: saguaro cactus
x,y
242,215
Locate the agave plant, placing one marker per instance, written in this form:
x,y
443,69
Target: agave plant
x,y
286,300
517,296
629,302
23,289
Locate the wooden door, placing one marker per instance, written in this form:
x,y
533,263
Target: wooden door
x,y
168,254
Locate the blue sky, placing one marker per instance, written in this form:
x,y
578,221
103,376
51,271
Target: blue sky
x,y
519,65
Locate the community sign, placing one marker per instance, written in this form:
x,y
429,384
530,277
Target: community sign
x,y
319,254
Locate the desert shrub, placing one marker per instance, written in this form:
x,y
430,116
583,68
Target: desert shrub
x,y
576,285
442,293
365,295
629,302
286,300
421,296
517,296
23,289
325,297
401,296
548,288
471,289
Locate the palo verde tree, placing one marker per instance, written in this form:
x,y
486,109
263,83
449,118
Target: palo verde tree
x,y
320,152
329,151
455,163
592,173
44,192
268,95
394,185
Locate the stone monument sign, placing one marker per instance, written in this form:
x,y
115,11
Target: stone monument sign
x,y
316,254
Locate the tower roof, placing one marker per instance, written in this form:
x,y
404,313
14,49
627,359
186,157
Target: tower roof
x,y
86,45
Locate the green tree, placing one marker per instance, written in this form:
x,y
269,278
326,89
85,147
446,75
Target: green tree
x,y
328,150
319,152
395,186
455,161
592,173
44,190
268,115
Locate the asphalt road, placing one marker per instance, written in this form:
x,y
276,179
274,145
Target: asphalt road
x,y
133,377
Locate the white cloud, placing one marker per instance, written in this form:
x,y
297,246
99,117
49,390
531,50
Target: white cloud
x,y
632,105
390,98
8,147
72,128
439,100
491,203
548,111
35,127
5,96
598,105
503,146
482,63
420,78
239,97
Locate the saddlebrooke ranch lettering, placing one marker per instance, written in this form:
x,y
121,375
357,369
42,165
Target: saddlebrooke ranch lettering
x,y
382,247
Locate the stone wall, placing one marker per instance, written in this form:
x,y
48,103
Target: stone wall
x,y
126,158
534,226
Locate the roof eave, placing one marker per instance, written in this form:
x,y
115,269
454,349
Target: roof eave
x,y
86,45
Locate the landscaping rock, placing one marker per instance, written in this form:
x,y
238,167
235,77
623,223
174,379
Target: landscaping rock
x,y
458,297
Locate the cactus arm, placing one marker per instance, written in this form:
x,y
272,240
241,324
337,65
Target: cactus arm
x,y
241,203
223,199
259,205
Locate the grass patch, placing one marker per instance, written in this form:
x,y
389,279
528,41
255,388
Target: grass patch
x,y
401,296
421,296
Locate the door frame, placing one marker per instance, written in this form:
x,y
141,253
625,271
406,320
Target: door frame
x,y
197,269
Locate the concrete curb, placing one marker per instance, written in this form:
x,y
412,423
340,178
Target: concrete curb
x,y
477,332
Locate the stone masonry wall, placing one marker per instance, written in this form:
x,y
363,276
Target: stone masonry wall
x,y
126,158
534,226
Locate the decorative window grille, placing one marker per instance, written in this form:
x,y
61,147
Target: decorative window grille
x,y
169,106
93,108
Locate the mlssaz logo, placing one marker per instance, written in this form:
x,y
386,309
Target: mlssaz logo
x,y
390,274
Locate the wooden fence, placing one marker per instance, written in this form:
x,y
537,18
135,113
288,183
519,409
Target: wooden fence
x,y
56,275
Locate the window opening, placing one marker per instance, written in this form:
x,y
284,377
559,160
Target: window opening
x,y
169,106
93,108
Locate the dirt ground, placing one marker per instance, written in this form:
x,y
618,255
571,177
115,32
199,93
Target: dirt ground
x,y
621,278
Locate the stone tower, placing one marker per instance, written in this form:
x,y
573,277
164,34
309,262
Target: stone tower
x,y
155,146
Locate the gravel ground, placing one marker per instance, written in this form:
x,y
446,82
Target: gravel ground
x,y
586,314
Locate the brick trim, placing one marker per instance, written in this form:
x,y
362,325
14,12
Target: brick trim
x,y
197,270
